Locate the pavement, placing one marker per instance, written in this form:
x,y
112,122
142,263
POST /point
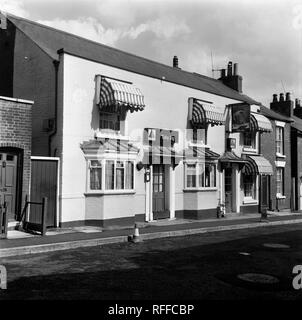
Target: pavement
x,y
20,243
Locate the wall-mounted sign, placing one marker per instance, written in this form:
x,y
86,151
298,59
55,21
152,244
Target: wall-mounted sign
x,y
240,117
231,143
160,137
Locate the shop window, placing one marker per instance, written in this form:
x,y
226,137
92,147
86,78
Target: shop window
x,y
118,175
201,175
280,140
249,186
249,139
280,182
110,121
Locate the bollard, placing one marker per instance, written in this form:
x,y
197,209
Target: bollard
x,y
135,238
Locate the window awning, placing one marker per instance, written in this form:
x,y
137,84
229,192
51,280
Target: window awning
x,y
202,113
161,155
229,158
200,153
260,123
108,145
114,93
257,165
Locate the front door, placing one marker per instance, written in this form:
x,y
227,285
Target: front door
x,y
228,190
8,181
265,194
159,193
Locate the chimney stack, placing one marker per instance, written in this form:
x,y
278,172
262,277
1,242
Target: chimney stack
x,y
231,79
283,106
175,62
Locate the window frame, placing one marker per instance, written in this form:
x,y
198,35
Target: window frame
x,y
279,141
280,195
253,183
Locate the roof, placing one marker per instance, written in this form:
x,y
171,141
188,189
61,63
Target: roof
x,y
273,114
230,156
51,40
297,124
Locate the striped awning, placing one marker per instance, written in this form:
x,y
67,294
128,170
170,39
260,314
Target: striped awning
x,y
260,123
257,165
114,93
202,113
161,155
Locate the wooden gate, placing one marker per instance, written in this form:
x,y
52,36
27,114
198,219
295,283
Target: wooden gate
x,y
44,184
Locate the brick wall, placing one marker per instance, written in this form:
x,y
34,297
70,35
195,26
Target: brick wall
x,y
15,132
268,149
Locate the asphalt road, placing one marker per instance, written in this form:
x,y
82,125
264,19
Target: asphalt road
x,y
195,267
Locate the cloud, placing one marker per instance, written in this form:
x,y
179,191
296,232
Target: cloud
x,y
15,7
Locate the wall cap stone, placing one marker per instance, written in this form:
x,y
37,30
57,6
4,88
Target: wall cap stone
x,y
16,100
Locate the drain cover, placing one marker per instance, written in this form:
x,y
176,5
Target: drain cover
x,y
258,278
276,245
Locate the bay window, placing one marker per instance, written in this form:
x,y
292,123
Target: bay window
x,y
110,175
249,186
200,175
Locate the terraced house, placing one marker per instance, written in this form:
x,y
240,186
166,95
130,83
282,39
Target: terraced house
x,y
135,139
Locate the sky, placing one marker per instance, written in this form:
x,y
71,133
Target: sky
x,y
263,37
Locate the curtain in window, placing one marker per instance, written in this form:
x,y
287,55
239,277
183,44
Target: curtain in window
x,y
120,175
95,175
249,186
109,177
191,175
129,175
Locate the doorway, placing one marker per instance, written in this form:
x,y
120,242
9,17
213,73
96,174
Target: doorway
x,y
9,192
159,187
265,193
228,186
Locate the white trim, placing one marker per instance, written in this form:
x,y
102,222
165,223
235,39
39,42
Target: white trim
x,y
280,155
44,158
249,200
280,196
280,124
17,100
280,164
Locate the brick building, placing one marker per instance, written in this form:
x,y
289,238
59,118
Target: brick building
x,y
15,152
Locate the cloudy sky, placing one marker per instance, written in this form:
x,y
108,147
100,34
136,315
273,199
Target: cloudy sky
x,y
263,37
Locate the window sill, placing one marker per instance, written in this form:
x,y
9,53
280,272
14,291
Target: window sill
x,y
250,201
249,150
280,155
279,196
200,189
107,192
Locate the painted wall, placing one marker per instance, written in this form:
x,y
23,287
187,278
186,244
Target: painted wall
x,y
166,107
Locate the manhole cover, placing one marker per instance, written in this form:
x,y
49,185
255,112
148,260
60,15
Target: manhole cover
x,y
276,245
258,278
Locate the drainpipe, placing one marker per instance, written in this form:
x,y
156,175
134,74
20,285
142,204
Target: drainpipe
x,y
56,66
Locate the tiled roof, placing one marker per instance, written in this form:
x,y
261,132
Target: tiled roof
x,y
51,40
297,124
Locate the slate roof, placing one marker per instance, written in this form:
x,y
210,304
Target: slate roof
x,y
51,40
273,114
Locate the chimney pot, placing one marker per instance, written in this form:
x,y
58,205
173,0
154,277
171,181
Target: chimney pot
x,y
287,97
222,73
175,62
281,99
275,97
230,68
235,69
